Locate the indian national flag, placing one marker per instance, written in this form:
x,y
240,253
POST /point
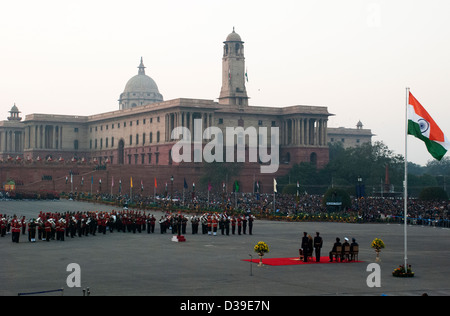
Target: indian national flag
x,y
422,126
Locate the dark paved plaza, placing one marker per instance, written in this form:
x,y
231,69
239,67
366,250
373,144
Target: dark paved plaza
x,y
152,265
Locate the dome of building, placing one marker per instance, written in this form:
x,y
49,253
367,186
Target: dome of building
x,y
14,109
233,37
140,90
14,114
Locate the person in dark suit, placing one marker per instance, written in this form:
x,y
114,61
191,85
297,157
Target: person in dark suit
x,y
352,249
305,246
337,243
318,242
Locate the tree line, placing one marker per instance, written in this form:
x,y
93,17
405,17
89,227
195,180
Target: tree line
x,y
371,169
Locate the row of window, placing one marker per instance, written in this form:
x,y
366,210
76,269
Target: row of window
x,y
260,123
144,121
343,140
134,159
95,144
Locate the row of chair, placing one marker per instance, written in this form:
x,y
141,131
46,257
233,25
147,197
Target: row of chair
x,y
344,253
339,255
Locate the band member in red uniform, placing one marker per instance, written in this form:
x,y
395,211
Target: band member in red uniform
x,y
48,229
239,224
15,229
233,225
3,222
209,225
214,225
60,228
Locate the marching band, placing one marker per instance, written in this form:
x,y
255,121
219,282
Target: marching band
x,y
57,226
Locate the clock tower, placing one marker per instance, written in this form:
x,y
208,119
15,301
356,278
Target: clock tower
x,y
233,90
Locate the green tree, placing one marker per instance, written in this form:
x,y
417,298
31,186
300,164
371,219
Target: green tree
x,y
433,194
337,195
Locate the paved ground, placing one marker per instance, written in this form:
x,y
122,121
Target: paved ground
x,y
142,264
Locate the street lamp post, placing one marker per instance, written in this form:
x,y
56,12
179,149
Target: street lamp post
x,y
171,184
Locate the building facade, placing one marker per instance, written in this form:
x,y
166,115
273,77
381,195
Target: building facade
x,y
350,137
139,133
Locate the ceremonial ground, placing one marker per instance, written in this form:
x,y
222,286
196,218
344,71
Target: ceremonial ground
x,y
142,264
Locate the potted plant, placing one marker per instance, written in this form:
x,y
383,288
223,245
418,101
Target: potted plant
x,y
261,248
377,244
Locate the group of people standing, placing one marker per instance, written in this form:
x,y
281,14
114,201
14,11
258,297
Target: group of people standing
x,y
308,245
211,223
58,226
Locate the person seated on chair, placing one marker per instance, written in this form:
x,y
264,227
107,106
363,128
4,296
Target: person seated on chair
x,y
337,243
345,244
352,249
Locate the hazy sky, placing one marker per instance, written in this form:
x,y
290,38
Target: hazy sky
x,y
354,56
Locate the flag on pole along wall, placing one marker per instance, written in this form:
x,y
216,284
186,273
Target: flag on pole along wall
x,y
156,183
131,182
422,126
185,184
275,185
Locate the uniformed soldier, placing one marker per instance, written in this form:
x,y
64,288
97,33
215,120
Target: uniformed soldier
x,y
32,224
227,225
239,224
162,225
214,225
60,228
24,225
48,229
15,229
251,218
209,221
305,246
183,224
244,224
3,223
233,224
318,242
194,223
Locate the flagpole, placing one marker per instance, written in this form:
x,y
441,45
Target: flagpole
x,y
405,198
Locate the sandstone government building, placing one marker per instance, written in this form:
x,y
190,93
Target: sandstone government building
x,y
41,150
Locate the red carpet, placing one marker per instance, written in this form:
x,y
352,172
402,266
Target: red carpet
x,y
293,261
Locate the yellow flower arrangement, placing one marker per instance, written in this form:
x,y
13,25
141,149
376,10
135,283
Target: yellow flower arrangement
x,y
261,247
377,244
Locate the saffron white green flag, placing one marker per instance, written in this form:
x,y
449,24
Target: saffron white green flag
x,y
422,126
